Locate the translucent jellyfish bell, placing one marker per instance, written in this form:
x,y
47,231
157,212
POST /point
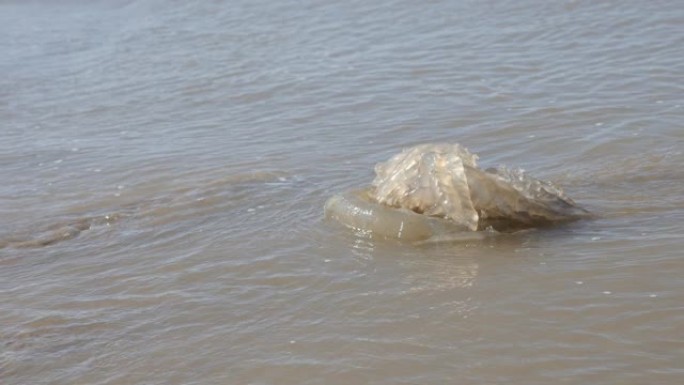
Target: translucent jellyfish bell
x,y
432,189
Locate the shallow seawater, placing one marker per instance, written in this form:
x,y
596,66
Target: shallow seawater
x,y
165,166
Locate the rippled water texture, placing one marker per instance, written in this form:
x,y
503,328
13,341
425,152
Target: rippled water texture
x,y
165,165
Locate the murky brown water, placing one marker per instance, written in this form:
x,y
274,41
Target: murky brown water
x,y
165,166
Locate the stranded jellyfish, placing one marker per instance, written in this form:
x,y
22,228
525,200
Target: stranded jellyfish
x,y
437,190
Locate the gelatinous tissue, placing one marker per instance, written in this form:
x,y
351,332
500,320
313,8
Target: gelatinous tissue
x,y
433,189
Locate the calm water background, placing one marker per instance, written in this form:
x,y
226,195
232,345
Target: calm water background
x,y
164,165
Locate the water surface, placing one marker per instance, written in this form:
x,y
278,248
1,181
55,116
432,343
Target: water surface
x,y
165,166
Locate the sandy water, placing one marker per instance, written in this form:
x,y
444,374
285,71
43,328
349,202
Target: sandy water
x,y
165,165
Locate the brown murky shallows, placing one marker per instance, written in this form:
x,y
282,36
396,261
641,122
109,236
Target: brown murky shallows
x,y
165,167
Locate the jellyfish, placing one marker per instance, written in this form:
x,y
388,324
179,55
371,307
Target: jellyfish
x,y
437,190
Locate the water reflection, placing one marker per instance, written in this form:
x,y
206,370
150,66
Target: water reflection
x,y
445,275
363,247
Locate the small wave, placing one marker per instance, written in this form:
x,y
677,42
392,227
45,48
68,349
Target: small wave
x,y
173,204
58,232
